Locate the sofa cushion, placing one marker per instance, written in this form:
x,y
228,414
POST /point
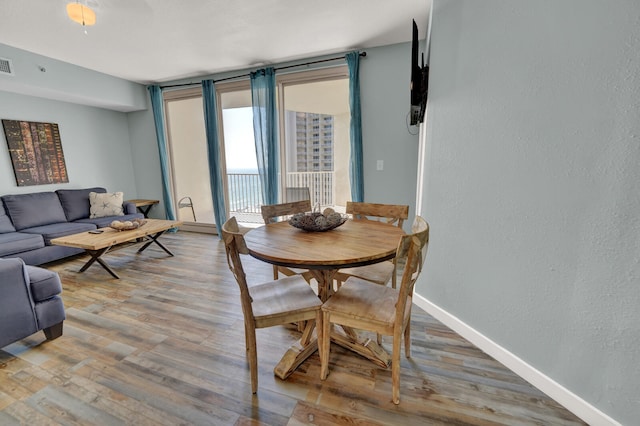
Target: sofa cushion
x,y
44,283
75,202
46,254
35,209
107,204
103,222
5,222
56,230
18,242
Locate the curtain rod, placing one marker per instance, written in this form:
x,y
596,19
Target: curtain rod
x,y
363,54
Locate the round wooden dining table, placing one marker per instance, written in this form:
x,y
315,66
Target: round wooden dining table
x,y
355,243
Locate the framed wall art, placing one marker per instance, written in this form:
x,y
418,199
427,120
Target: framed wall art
x,y
36,152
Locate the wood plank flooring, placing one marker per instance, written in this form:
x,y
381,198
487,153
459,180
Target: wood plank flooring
x,y
164,345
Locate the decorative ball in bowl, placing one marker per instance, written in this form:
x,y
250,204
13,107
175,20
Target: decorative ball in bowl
x,y
316,221
127,225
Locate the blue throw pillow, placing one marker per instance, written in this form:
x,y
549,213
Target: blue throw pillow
x,y
35,209
75,202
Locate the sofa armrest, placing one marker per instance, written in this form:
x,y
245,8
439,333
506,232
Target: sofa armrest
x,y
129,208
17,310
44,283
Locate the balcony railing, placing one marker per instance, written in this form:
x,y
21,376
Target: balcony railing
x,y
320,186
245,195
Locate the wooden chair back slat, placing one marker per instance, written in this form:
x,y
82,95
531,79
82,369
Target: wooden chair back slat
x,y
273,212
394,214
234,246
413,248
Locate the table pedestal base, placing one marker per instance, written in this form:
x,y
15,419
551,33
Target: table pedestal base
x,y
347,338
294,356
299,352
365,347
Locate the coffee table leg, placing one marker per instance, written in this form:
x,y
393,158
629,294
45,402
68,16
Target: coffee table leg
x,y
154,239
95,256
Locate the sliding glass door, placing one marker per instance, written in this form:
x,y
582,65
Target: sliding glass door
x,y
315,131
188,151
241,166
314,146
188,154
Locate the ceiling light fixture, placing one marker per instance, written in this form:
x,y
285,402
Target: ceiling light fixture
x,y
81,14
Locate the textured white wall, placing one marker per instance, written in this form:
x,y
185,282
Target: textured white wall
x,y
532,186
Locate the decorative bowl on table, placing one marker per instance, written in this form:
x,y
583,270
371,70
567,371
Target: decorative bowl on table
x,y
316,221
127,225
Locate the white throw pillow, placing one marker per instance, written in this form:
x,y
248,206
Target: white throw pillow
x,y
106,204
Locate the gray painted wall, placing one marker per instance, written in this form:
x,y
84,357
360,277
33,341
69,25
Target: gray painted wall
x,y
37,75
95,142
532,186
144,149
384,94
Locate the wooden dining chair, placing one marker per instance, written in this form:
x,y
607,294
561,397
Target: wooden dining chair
x,y
382,272
278,302
272,213
381,309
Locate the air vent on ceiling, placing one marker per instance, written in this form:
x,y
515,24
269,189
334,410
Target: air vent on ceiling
x,y
6,67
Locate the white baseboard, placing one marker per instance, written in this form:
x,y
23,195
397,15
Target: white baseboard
x,y
201,228
559,393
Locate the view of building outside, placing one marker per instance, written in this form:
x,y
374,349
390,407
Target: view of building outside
x,y
313,146
309,147
309,139
315,127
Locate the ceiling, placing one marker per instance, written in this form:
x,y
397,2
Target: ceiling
x,y
154,41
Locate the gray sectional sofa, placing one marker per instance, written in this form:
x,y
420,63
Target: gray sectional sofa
x,y
28,222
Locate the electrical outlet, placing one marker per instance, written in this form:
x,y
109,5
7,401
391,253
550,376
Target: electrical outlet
x,y
380,165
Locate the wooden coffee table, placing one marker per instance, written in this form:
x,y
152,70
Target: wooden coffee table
x,y
96,245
